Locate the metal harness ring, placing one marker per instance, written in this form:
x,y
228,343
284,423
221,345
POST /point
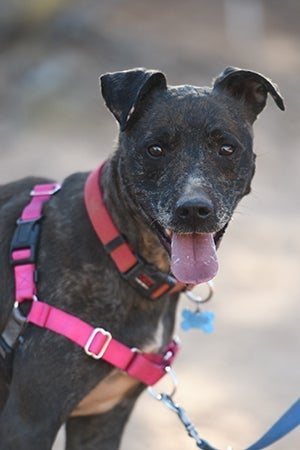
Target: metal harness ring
x,y
158,396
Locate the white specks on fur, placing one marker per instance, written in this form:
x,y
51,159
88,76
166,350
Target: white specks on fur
x,y
194,184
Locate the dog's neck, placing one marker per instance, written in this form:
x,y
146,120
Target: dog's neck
x,y
142,239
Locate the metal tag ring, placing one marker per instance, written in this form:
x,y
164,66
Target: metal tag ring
x,y
197,299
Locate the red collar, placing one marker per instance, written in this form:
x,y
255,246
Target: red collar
x,y
146,278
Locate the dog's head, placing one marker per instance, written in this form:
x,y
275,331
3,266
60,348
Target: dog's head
x,y
185,156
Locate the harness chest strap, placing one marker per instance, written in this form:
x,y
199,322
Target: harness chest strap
x,y
97,342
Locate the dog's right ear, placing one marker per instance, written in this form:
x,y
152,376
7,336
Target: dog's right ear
x,y
123,91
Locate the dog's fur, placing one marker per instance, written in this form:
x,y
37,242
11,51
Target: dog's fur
x,y
53,380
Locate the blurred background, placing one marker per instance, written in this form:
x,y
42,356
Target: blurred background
x,y
236,382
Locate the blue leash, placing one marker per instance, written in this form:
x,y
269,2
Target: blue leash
x,y
288,422
284,425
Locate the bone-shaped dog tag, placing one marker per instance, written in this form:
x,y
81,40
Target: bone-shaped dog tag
x,y
202,320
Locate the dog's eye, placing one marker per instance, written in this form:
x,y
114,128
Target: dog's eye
x,y
226,150
155,151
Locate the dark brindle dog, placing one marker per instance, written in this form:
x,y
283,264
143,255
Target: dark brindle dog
x,y
184,161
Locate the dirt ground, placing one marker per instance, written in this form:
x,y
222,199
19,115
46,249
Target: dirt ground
x,y
235,382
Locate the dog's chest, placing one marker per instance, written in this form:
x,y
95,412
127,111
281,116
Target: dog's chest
x,y
107,394
112,389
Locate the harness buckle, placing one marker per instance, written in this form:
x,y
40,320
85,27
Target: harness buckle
x,y
87,347
147,279
25,237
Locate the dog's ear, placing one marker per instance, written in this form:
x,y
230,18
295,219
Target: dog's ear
x,y
251,88
122,91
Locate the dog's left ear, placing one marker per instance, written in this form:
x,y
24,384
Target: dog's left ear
x,y
123,91
251,88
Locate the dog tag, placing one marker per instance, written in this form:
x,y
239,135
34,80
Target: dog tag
x,y
203,320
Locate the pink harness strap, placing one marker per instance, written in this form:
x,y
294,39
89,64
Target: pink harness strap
x,y
23,256
97,342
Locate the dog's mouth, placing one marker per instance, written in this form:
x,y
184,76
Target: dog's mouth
x,y
193,256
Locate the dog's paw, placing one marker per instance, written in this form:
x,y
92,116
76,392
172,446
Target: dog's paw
x,y
197,319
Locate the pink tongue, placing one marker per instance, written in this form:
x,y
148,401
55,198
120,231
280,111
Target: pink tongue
x,y
194,258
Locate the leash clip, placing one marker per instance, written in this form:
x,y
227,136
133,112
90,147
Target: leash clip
x,y
168,401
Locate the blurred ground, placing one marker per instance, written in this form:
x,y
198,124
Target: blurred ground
x,y
236,382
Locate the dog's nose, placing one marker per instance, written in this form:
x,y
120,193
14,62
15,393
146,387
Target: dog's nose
x,y
194,209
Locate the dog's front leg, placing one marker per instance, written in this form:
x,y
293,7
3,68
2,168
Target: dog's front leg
x,y
30,425
102,431
19,431
50,378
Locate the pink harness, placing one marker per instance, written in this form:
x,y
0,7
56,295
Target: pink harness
x,y
96,342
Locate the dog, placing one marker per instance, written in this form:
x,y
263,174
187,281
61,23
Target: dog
x,y
184,160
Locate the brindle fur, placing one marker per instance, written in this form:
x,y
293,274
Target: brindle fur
x,y
51,375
